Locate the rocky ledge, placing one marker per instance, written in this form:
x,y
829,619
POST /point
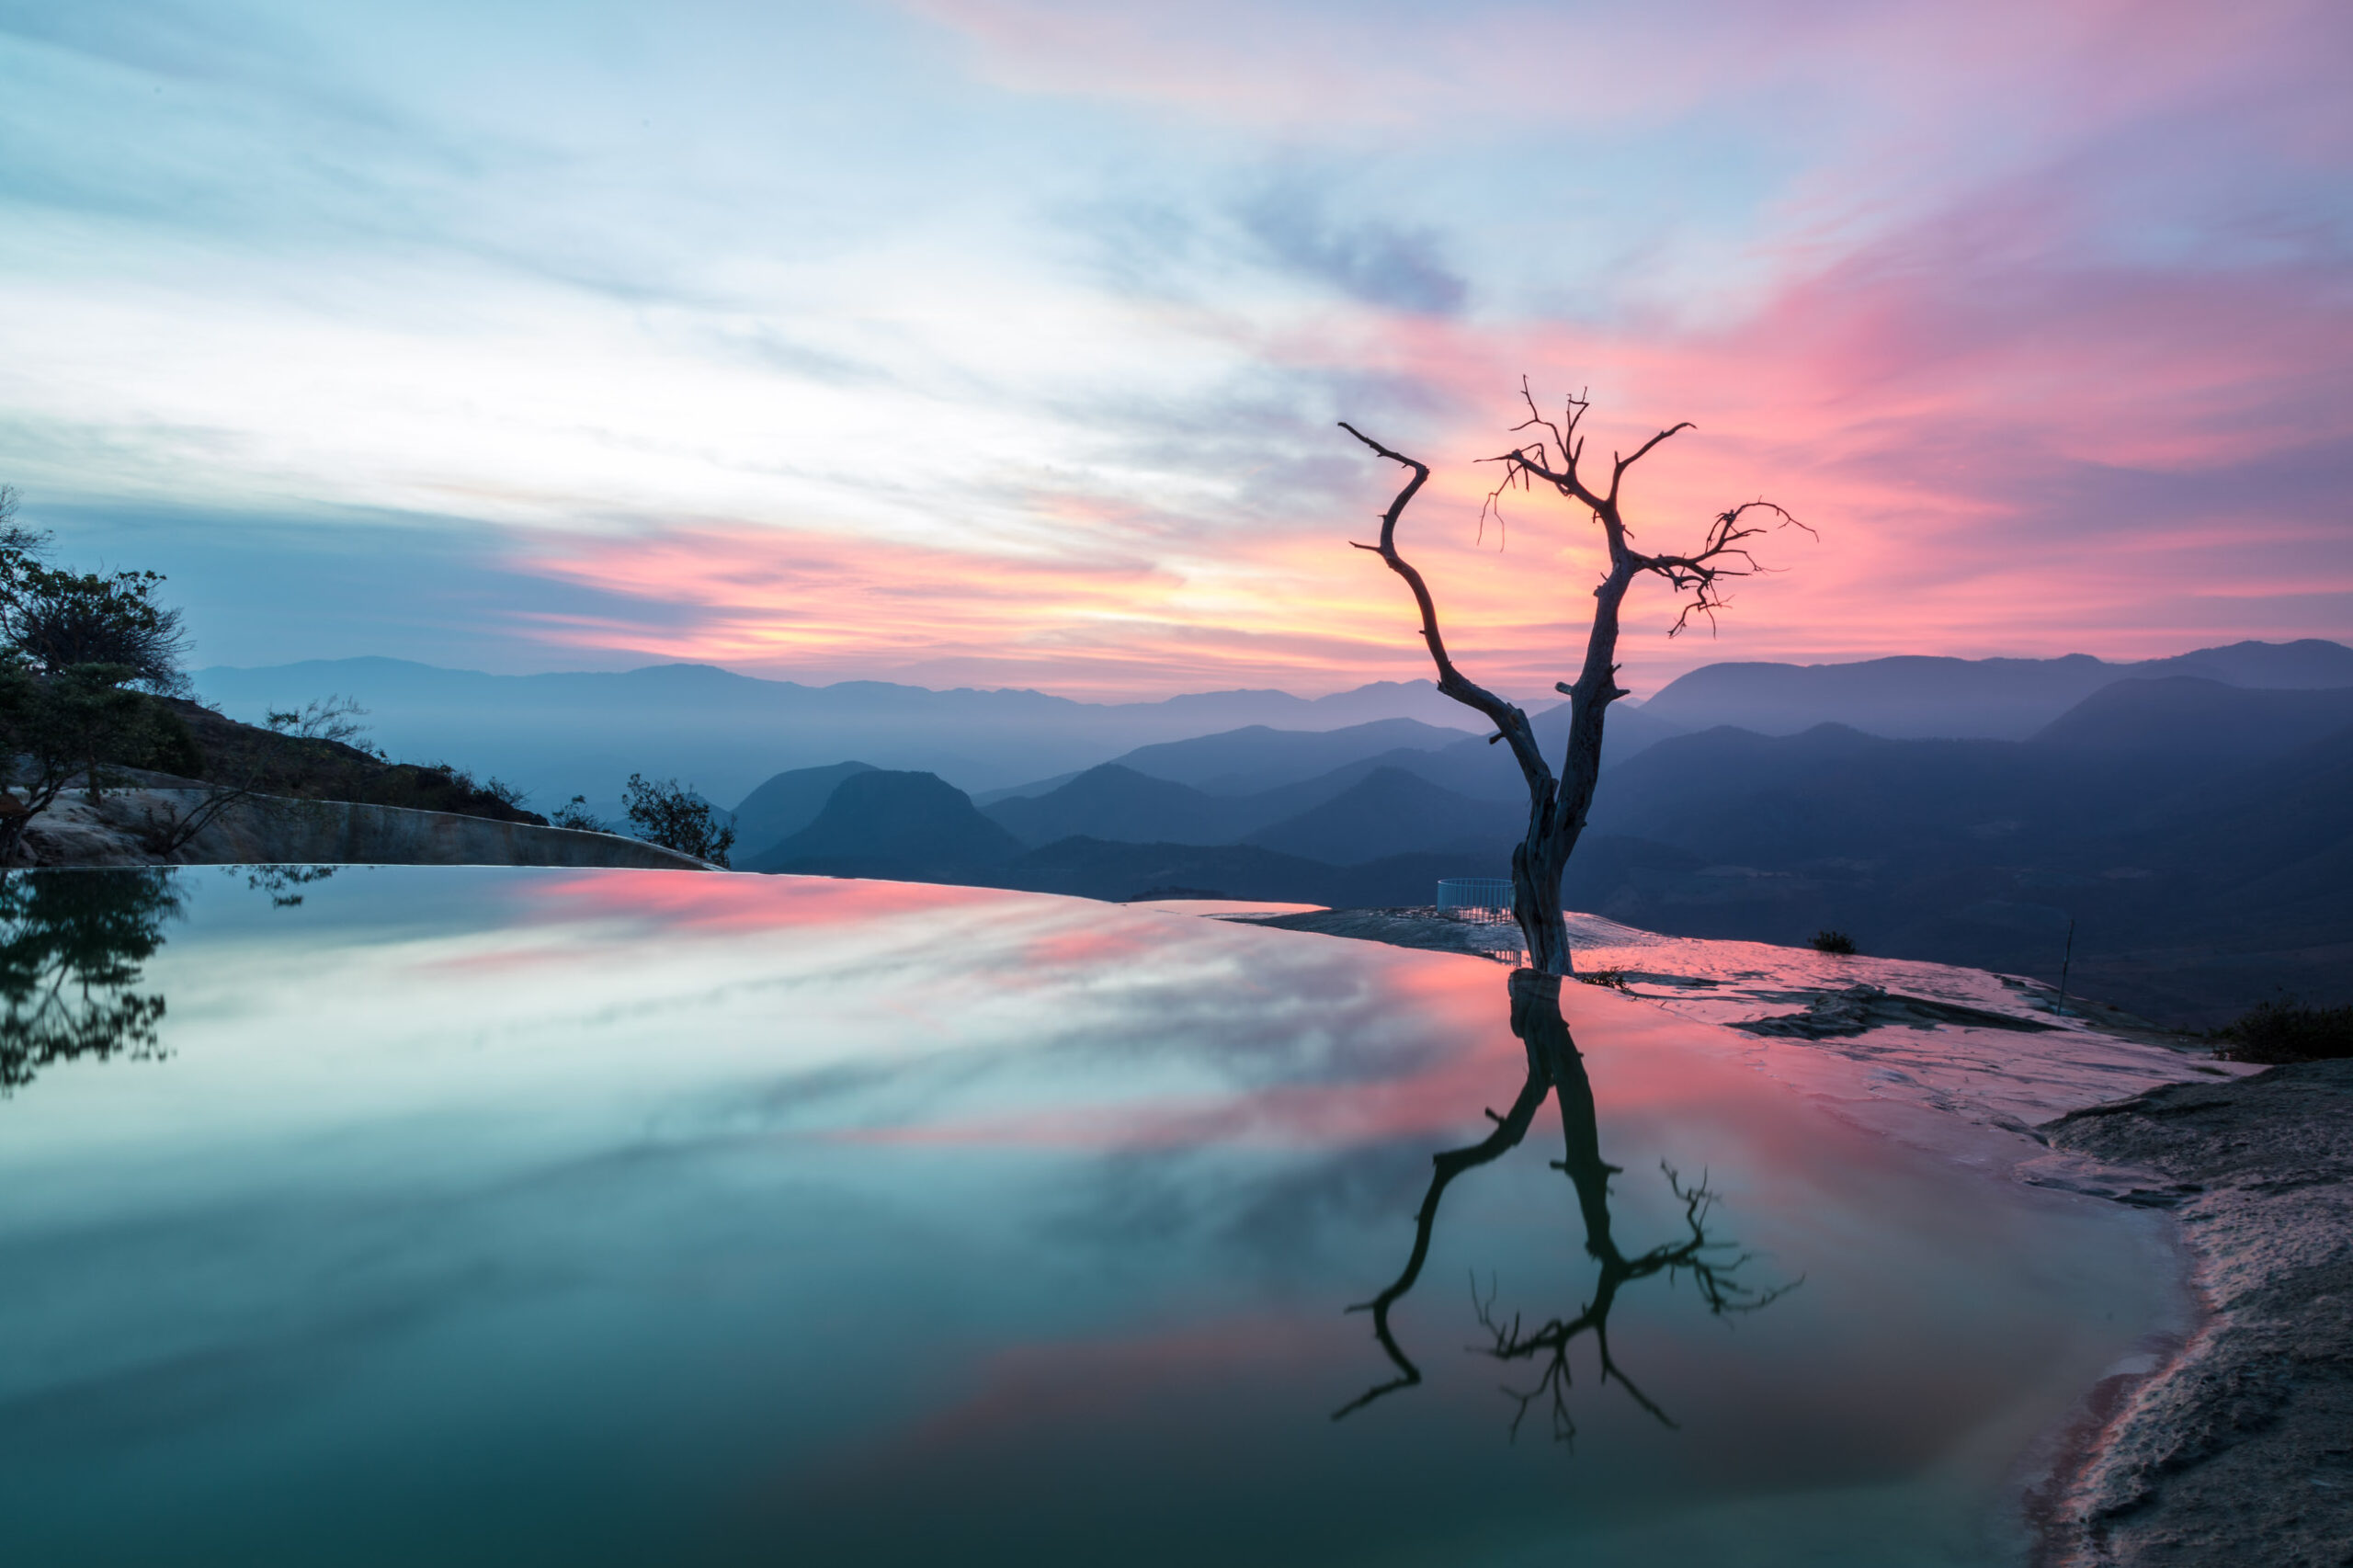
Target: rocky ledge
x,y
136,827
2241,1451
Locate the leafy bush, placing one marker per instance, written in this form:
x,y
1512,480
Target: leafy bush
x,y
57,620
2287,1031
1834,942
677,819
82,722
574,815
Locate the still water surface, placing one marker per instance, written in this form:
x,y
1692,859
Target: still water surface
x,y
527,1216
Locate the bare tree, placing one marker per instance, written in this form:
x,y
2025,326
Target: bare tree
x,y
1558,805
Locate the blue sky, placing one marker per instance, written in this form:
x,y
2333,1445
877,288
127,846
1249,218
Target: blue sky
x,y
1001,343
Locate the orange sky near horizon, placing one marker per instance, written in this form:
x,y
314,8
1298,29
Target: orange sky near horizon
x,y
1003,341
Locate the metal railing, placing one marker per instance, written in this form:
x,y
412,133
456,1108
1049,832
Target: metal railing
x,y
1487,900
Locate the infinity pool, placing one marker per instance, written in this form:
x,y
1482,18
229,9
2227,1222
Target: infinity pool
x,y
452,1216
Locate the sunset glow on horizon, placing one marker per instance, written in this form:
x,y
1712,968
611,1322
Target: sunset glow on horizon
x,y
1002,342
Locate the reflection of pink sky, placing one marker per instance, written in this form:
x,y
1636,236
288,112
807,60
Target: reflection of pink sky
x,y
683,900
708,905
1642,1061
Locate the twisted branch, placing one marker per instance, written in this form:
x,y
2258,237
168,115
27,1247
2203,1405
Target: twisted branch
x,y
1510,723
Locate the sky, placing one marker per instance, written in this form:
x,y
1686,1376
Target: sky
x,y
1003,341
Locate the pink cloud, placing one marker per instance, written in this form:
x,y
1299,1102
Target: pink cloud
x,y
2026,415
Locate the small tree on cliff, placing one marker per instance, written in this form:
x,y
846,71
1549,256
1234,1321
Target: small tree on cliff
x,y
677,819
1557,805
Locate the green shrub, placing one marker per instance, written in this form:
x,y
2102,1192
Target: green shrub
x,y
2287,1031
574,815
677,818
1834,942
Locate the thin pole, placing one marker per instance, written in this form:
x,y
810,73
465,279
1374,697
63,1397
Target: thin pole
x,y
2068,959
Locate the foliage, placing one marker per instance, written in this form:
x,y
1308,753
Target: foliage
x,y
283,760
275,881
677,819
58,619
1834,942
331,717
81,723
574,815
2287,1031
442,787
71,946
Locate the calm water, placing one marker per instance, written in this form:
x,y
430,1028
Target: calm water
x,y
487,1216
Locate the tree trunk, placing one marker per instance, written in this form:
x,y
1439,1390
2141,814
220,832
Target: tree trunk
x,y
1536,904
1557,805
1557,809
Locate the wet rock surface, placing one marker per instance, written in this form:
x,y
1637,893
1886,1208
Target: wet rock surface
x,y
1997,1051
1423,928
2241,1450
1863,1008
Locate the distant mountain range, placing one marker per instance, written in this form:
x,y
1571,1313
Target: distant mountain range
x,y
1964,699
2196,836
2188,813
560,735
555,735
915,827
2195,831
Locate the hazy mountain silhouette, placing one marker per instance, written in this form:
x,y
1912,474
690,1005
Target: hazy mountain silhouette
x,y
2184,713
1483,771
917,827
2305,664
2196,833
1248,760
786,804
1258,759
726,733
1914,698
879,823
1116,802
1391,812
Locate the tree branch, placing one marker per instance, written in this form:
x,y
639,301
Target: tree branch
x,y
1618,472
1506,717
1721,556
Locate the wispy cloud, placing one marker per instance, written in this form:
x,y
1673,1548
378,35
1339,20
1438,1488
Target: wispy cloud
x,y
1002,340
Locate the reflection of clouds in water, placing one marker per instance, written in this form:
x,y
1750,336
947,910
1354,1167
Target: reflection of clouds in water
x,y
514,1239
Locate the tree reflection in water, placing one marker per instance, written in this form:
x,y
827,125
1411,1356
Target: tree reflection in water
x,y
1554,1066
71,946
